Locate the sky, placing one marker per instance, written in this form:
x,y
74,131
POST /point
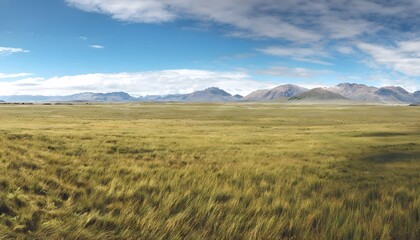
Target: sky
x,y
157,47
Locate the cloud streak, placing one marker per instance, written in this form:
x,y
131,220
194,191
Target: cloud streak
x,y
14,75
281,71
10,50
304,54
95,46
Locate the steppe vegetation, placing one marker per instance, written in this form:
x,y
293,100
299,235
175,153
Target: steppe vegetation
x,y
209,171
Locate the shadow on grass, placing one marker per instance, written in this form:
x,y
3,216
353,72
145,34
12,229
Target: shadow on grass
x,y
385,151
370,163
383,134
388,157
388,147
373,168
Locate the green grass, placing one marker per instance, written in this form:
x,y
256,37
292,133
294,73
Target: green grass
x,y
208,171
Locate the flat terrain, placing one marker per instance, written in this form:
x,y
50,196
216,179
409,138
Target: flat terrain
x,y
209,171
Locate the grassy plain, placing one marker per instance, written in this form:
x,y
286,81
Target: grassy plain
x,y
209,171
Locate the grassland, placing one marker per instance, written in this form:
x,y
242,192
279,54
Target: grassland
x,y
208,171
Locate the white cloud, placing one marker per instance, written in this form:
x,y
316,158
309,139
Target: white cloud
x,y
306,54
248,18
10,50
281,71
295,20
96,46
141,83
14,75
148,11
411,47
83,38
405,58
310,25
339,28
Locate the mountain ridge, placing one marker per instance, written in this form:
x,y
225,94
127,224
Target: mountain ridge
x,y
283,91
317,95
395,94
212,94
356,92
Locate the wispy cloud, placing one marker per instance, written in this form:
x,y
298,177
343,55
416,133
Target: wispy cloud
x,y
303,54
295,20
140,83
404,58
345,49
237,56
281,71
248,18
97,46
385,80
10,50
14,75
338,28
309,31
83,38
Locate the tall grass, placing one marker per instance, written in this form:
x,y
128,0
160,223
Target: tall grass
x,y
204,171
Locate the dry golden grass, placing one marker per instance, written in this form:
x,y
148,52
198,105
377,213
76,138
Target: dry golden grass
x,y
209,171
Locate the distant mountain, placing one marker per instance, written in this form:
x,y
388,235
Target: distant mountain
x,y
208,95
25,98
363,93
162,98
86,97
212,94
1,101
100,97
318,95
356,92
416,96
283,91
393,94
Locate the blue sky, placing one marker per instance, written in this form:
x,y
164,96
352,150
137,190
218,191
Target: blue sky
x,y
56,47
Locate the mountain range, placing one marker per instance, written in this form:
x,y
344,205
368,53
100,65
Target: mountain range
x,y
212,94
343,92
80,97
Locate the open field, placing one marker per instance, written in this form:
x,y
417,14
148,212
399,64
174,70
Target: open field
x,y
209,171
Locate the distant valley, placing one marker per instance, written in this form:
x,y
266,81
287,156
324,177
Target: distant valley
x,y
341,93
